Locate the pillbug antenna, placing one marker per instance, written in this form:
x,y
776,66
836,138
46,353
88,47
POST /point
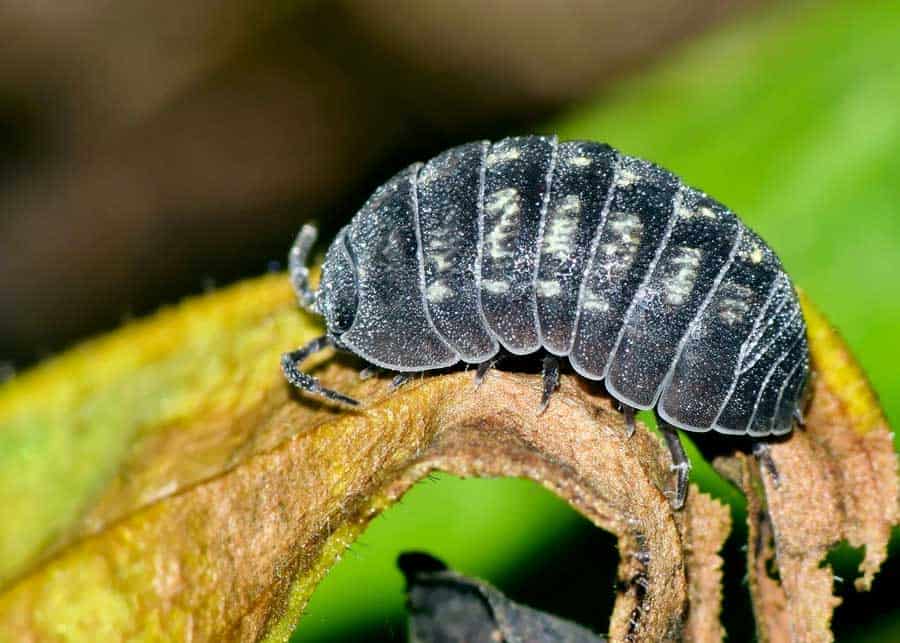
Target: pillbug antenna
x,y
299,271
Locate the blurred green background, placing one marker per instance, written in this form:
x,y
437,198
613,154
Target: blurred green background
x,y
149,150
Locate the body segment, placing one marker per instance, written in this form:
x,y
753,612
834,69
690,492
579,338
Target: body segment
x,y
575,212
450,190
517,182
639,218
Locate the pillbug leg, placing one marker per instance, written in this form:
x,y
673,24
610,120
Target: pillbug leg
x,y
299,273
680,464
550,381
798,416
399,380
762,453
628,412
306,382
642,555
368,372
640,583
482,370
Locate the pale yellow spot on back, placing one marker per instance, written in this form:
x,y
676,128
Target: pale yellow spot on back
x,y
679,285
558,237
756,254
504,202
549,288
502,156
495,286
441,261
594,302
438,292
734,306
626,178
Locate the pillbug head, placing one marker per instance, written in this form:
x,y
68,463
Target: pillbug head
x,y
337,298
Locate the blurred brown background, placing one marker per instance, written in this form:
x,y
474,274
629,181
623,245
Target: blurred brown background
x,y
149,149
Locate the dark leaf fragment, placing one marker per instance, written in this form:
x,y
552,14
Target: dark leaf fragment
x,y
447,607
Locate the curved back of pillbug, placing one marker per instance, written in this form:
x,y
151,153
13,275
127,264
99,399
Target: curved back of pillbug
x,y
584,252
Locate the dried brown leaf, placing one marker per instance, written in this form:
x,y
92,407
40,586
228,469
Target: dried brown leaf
x,y
834,480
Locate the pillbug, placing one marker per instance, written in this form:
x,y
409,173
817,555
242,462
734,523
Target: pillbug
x,y
576,250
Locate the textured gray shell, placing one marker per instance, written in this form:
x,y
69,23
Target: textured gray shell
x,y
577,249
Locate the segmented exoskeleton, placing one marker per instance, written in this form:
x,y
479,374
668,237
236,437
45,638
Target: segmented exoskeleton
x,y
578,251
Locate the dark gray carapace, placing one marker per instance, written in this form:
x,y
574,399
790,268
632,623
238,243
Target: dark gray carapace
x,y
573,249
